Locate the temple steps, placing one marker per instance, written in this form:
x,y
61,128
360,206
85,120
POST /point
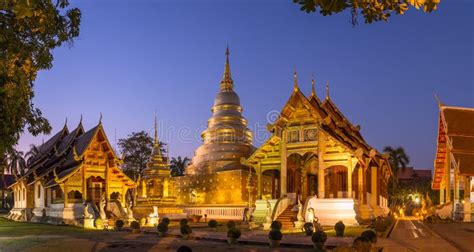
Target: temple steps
x,y
287,218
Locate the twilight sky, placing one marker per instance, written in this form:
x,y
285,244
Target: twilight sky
x,y
137,57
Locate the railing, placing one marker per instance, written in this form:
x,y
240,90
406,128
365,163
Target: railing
x,y
280,206
228,213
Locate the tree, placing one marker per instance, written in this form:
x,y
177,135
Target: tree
x,y
33,152
136,150
371,10
178,165
29,31
398,162
16,163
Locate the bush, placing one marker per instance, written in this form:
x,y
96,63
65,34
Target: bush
x,y
370,235
212,223
135,225
166,221
231,224
186,229
234,233
319,237
339,227
143,221
119,224
308,228
183,222
276,225
162,227
275,235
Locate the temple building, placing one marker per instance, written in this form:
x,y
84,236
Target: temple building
x,y
454,162
215,175
70,169
316,156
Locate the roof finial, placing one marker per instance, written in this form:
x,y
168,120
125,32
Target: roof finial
x,y
226,83
313,93
155,140
65,123
100,119
80,121
295,79
438,100
327,90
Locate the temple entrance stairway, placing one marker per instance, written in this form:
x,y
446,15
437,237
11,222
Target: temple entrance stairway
x,y
287,218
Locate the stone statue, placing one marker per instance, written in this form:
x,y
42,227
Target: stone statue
x,y
310,215
88,210
268,216
246,217
300,212
193,196
129,209
102,204
154,217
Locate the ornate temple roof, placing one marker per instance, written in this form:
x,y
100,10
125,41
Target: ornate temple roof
x,y
62,154
455,138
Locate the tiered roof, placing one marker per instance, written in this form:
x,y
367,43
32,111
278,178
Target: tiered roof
x,y
61,154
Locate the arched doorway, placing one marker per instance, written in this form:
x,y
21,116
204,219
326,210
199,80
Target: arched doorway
x,y
95,188
335,181
293,175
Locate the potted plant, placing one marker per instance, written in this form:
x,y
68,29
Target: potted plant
x,y
135,226
232,235
119,225
231,224
339,227
308,228
370,235
186,231
212,224
183,222
162,229
319,238
166,220
143,221
99,224
196,217
275,234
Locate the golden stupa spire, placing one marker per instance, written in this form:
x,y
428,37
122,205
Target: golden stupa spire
x,y
295,79
155,139
226,83
313,93
327,90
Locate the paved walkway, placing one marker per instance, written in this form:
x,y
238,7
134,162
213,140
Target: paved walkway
x,y
460,235
413,235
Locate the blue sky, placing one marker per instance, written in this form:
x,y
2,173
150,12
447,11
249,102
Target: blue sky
x,y
137,57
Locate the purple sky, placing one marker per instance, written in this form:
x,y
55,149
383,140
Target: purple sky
x,y
135,57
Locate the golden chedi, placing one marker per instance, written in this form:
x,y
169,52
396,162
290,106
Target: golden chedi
x,y
215,175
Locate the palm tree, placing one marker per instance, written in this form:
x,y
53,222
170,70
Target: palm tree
x,y
16,163
33,152
178,165
398,162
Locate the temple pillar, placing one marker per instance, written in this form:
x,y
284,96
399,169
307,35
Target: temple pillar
x,y
143,189
349,178
321,150
456,186
360,186
447,174
65,195
107,181
283,166
259,185
441,196
84,184
373,194
166,187
467,199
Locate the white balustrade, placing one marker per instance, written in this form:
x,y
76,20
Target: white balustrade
x,y
226,213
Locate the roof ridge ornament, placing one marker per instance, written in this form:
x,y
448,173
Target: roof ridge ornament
x,y
100,118
295,80
155,140
313,92
227,84
440,104
327,91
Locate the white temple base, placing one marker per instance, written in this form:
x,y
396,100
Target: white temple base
x,y
330,211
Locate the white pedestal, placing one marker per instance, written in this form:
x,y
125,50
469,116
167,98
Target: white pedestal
x,y
266,226
89,224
